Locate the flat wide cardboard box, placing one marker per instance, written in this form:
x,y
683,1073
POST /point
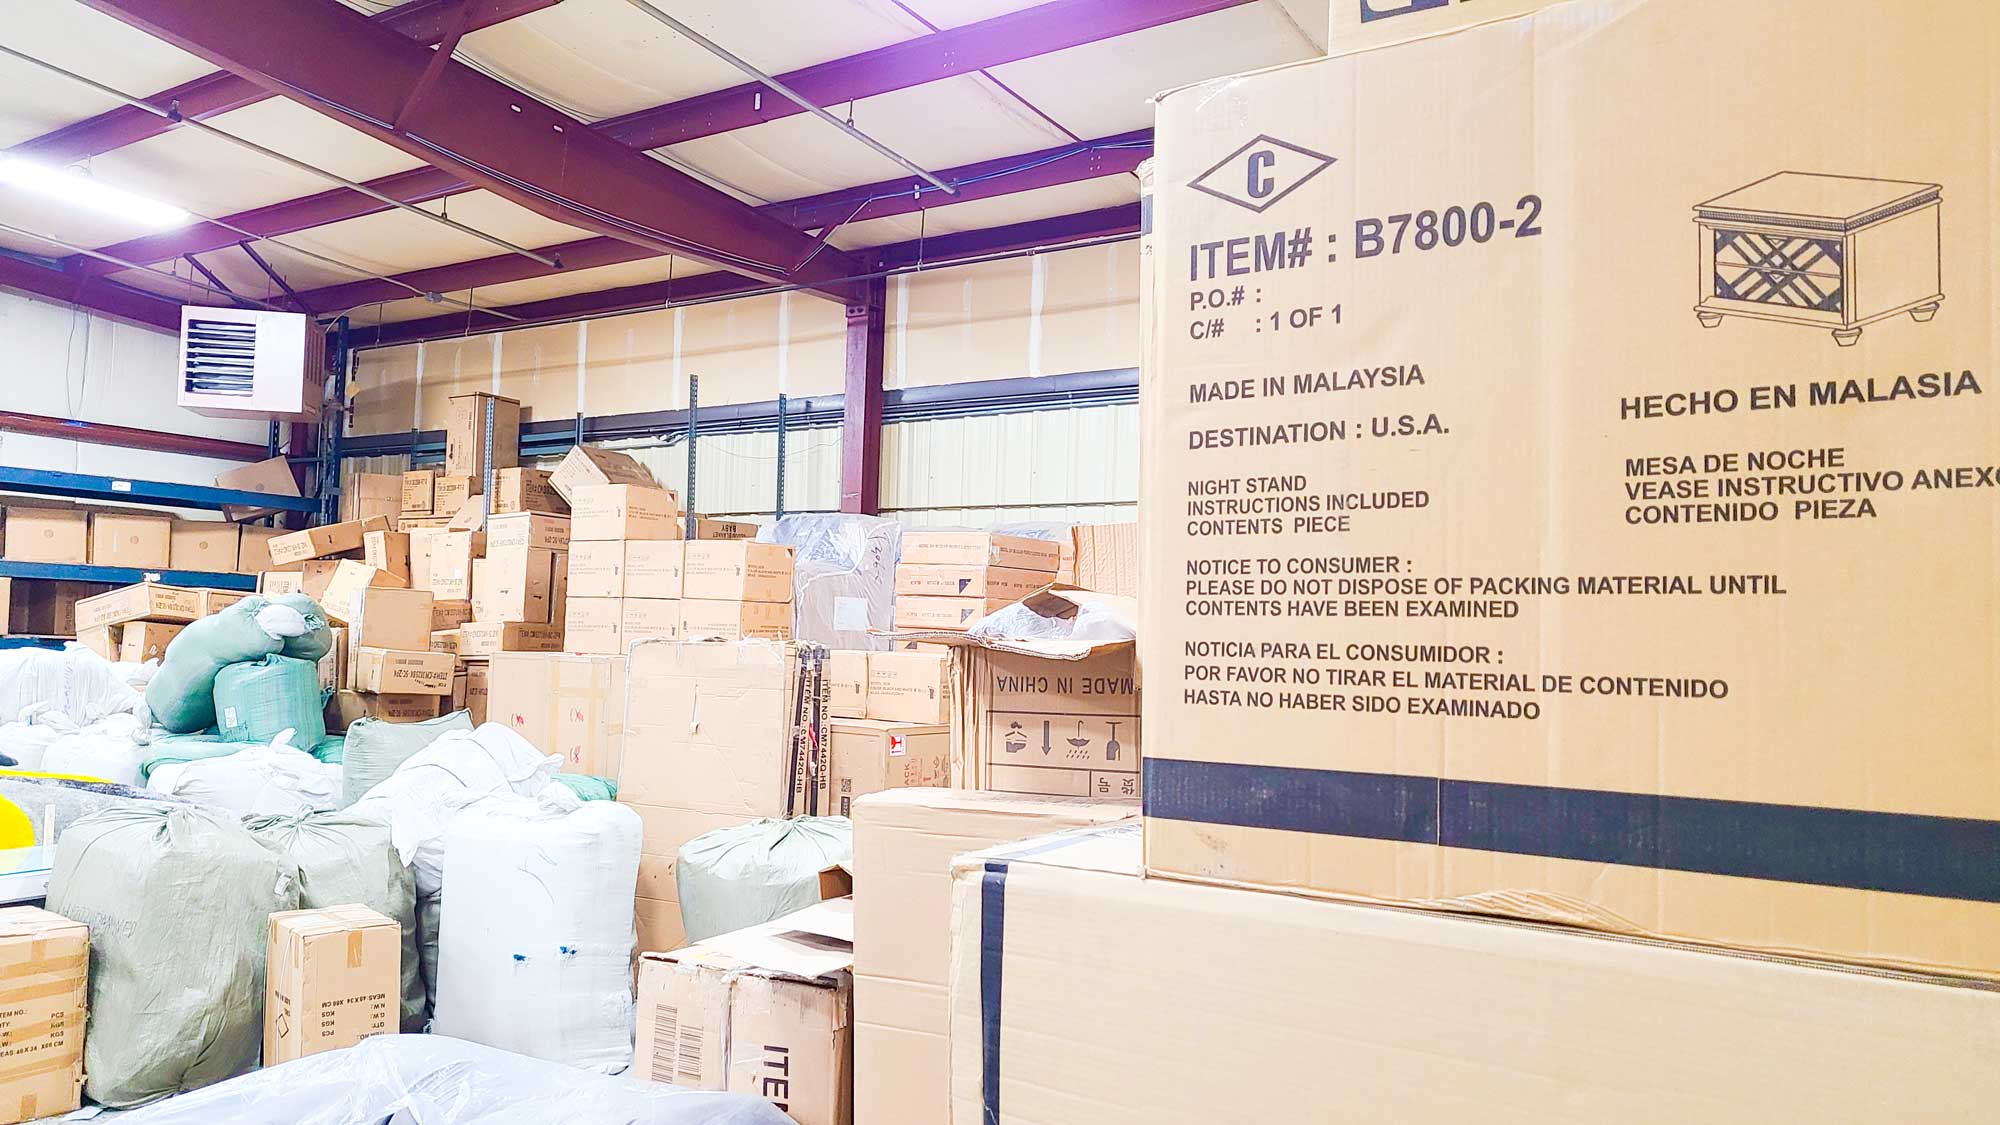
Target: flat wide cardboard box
x,y
602,512
588,465
595,625
134,539
654,568
333,979
210,545
563,703
765,1011
253,551
732,621
145,601
345,706
449,613
527,529
323,541
847,683
909,687
904,842
867,756
53,535
952,614
44,989
1374,1014
526,490
992,583
479,424
1587,564
488,638
399,672
979,548
272,477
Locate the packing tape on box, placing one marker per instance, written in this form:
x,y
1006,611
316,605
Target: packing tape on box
x,y
40,963
71,1052
42,991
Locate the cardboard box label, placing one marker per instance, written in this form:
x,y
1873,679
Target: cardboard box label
x,y
980,548
993,583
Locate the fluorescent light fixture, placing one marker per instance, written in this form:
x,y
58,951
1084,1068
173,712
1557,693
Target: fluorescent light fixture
x,y
82,191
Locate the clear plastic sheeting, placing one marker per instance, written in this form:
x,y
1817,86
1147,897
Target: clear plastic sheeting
x,y
535,951
1080,616
435,1080
75,683
749,874
845,576
273,780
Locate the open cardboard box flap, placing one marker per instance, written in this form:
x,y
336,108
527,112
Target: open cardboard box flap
x,y
1054,601
808,945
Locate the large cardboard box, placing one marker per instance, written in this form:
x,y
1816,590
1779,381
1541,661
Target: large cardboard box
x,y
519,585
527,529
349,580
373,494
909,687
526,490
904,842
387,617
765,1011
452,554
134,539
53,535
847,684
1587,566
867,756
742,570
563,703
734,621
145,601
654,568
587,465
991,583
450,494
333,979
597,568
44,989
595,625
1375,1014
253,552
396,672
478,426
209,545
602,512
273,477
979,548
646,619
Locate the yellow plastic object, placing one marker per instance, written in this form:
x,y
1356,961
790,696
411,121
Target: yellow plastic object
x,y
16,830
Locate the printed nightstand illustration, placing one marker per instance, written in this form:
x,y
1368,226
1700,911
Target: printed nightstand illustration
x,y
1835,252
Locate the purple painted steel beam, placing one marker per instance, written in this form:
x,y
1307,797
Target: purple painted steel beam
x,y
494,137
984,180
96,294
960,50
1107,222
861,405
424,21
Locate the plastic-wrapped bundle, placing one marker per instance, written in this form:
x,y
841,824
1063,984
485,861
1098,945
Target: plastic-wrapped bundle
x,y
749,874
273,780
845,576
47,806
535,953
257,700
439,1081
178,901
1086,616
75,683
375,748
110,749
182,694
341,859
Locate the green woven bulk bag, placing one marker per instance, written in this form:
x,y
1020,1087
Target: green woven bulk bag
x,y
181,695
375,747
749,874
259,700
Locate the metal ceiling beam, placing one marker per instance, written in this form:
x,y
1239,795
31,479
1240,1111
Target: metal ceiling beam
x,y
983,180
423,21
97,294
493,137
960,50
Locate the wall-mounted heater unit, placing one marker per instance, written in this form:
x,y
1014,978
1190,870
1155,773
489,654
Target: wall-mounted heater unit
x,y
246,363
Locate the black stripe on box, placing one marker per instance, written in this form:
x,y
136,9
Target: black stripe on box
x,y
992,954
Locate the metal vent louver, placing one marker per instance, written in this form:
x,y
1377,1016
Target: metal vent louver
x,y
249,363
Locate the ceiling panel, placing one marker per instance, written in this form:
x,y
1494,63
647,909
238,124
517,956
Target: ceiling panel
x,y
938,125
538,289
396,241
958,13
1104,88
189,289
603,58
33,101
1020,207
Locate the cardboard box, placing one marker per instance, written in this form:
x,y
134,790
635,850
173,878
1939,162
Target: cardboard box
x,y
595,625
140,641
979,548
602,512
253,551
527,529
449,613
423,545
448,640
706,527
418,496
1355,25
909,687
765,1011
334,979
273,583
479,423
343,707
518,585
526,490
407,522
478,679
146,601
403,672
1377,1014
215,601
484,638
350,578
1107,558
273,477
388,552
209,545
867,756
316,575
904,842
847,684
597,569
646,619
990,583
587,465
735,621
334,667
371,495
45,960
950,614
452,554
133,539
53,535
1621,681
386,617
737,570
450,493
654,568
565,704
323,541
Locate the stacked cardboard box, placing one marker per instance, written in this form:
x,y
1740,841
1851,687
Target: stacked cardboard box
x,y
383,666
136,623
948,580
737,588
127,537
430,498
372,494
568,704
626,553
